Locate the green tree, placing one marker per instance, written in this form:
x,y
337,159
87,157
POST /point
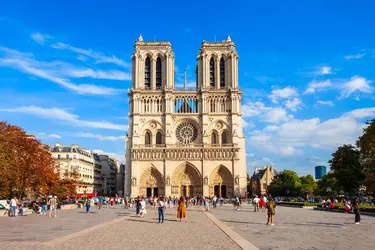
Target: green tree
x,y
327,186
347,169
308,185
366,143
286,183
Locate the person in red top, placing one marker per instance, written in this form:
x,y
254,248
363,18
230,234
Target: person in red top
x,y
261,203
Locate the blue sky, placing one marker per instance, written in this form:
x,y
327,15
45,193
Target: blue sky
x,y
306,68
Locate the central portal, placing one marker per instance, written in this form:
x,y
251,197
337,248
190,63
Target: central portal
x,y
186,181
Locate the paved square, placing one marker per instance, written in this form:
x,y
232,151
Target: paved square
x,y
297,228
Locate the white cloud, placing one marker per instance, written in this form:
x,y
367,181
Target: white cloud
x,y
54,136
293,104
317,86
284,93
356,56
275,115
247,125
99,74
48,71
356,84
119,157
261,162
266,114
100,137
329,103
99,57
62,115
325,70
291,137
40,38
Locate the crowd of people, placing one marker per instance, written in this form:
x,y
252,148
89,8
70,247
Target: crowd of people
x,y
49,204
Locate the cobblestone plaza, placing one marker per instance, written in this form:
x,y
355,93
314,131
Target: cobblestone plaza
x,y
223,228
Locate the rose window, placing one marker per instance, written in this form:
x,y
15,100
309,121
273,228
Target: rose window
x,y
186,133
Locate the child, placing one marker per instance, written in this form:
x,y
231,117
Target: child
x,y
271,212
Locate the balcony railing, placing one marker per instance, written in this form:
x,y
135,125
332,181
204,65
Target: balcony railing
x,y
180,145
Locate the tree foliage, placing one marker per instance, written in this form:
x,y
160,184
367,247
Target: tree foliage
x,y
366,143
25,165
286,183
327,186
347,169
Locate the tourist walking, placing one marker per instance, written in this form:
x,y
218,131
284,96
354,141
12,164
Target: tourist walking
x,y
143,211
53,206
214,200
262,204
161,209
181,211
256,203
100,203
271,212
88,205
206,205
13,206
356,212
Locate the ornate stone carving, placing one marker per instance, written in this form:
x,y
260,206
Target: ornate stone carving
x,y
142,120
153,125
219,125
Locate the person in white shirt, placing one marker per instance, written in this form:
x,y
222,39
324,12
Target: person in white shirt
x,y
256,203
143,208
13,206
214,200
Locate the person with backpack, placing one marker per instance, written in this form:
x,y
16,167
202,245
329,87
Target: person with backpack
x,y
271,212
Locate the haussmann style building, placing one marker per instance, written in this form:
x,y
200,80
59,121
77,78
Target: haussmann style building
x,y
185,142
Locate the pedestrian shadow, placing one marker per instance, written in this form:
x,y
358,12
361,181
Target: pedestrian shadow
x,y
145,221
317,224
85,212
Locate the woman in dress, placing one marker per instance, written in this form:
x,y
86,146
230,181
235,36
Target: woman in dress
x,y
181,211
143,207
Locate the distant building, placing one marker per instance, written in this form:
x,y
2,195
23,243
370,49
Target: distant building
x,y
98,178
75,162
120,178
320,171
261,179
109,168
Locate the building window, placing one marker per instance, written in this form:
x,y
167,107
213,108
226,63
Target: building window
x,y
213,138
58,156
224,139
212,73
158,73
222,73
148,138
264,186
159,138
67,156
147,73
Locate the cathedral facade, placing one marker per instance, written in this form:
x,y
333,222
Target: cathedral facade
x,y
185,142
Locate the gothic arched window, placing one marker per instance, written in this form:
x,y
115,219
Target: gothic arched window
x,y
212,73
158,73
224,138
222,73
147,138
159,139
147,73
213,138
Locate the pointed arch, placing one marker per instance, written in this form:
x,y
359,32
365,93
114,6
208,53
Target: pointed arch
x,y
188,176
221,182
148,138
214,137
151,179
224,137
158,138
212,72
148,73
158,72
222,73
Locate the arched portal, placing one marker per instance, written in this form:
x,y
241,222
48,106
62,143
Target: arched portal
x,y
151,183
221,182
186,181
